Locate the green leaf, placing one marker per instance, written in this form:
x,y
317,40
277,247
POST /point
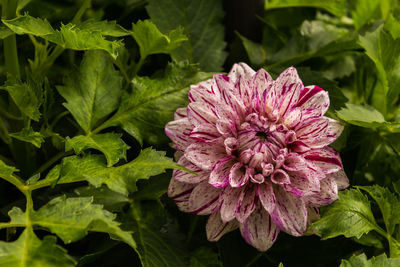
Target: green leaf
x,y
24,96
154,100
110,144
5,32
111,200
30,136
152,41
384,51
337,8
29,250
364,116
255,52
350,216
388,203
204,257
201,20
106,28
6,170
93,91
68,36
159,243
121,179
72,218
362,261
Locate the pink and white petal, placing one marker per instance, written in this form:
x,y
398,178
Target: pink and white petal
x,y
180,193
180,113
244,90
204,199
290,214
178,131
326,158
205,155
228,200
328,194
247,202
187,177
262,83
311,128
313,215
341,179
205,132
304,183
241,70
314,97
267,197
333,131
238,175
292,117
219,176
204,92
216,228
280,177
294,162
199,112
289,97
258,230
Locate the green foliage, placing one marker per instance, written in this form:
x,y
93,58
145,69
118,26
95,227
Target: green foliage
x,y
337,8
201,20
362,261
29,250
30,136
93,91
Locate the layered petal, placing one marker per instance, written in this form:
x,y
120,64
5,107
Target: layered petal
x,y
327,194
216,228
314,98
267,197
187,177
228,202
205,155
204,199
204,132
241,70
258,230
219,176
179,132
198,113
180,193
290,213
246,203
326,158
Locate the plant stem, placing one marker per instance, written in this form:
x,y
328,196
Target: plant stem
x,y
7,115
9,9
16,181
53,160
138,66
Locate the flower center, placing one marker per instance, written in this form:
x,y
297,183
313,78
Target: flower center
x,y
262,135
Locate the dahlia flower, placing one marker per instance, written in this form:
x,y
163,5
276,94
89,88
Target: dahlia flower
x,y
260,150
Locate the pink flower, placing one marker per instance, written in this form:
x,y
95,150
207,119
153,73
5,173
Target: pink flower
x,y
260,149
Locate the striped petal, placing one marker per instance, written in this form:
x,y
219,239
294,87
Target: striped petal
x,y
178,131
204,132
205,155
199,113
180,193
246,203
204,199
258,230
290,214
315,98
341,179
238,175
241,70
187,177
228,200
267,197
327,194
216,228
219,176
326,158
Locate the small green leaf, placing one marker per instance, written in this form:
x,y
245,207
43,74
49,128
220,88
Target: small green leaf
x,y
201,20
364,116
93,91
159,242
68,36
106,28
5,32
350,216
255,52
111,200
337,8
6,170
30,136
204,257
362,261
29,250
152,41
110,144
121,179
24,96
154,100
388,203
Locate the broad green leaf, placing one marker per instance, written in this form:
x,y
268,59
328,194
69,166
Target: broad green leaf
x,y
24,96
364,116
366,11
106,28
30,136
68,36
204,257
29,250
388,203
201,20
6,170
154,100
5,32
362,261
93,91
121,179
392,25
384,51
152,41
110,144
255,52
350,216
111,200
337,8
152,188
159,243
72,218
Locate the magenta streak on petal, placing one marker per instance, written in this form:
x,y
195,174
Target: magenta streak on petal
x,y
183,193
304,96
291,98
330,160
204,119
205,206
